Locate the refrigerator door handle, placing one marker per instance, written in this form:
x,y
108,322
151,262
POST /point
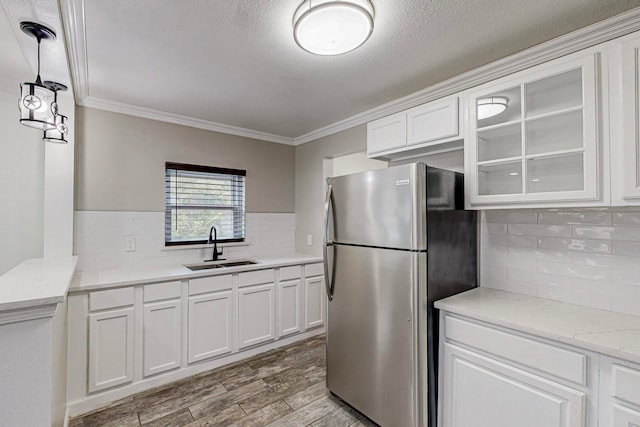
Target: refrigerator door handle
x,y
328,280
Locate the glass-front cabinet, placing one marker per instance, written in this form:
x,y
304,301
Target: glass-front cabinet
x,y
534,137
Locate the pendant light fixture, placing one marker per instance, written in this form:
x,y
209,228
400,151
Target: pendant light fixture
x,y
492,106
37,101
332,27
60,130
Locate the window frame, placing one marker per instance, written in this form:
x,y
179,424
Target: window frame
x,y
234,173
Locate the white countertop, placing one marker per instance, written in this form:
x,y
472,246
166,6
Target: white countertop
x,y
605,332
36,282
94,280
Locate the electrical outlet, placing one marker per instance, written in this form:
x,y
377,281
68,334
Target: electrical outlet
x,y
309,239
130,242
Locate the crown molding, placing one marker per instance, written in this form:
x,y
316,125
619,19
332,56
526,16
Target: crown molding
x,y
601,32
72,18
148,113
583,38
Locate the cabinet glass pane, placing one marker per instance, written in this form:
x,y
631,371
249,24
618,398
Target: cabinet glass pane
x,y
490,104
557,173
500,143
554,133
504,178
554,93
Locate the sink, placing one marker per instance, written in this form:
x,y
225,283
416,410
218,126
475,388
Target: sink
x,y
220,264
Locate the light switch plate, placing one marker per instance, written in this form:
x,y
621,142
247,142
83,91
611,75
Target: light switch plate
x,y
130,244
309,239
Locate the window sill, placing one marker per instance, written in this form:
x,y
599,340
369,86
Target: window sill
x,y
204,245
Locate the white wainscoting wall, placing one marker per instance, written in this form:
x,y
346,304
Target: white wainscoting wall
x,y
100,240
588,257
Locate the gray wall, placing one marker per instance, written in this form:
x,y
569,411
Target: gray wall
x,y
21,186
309,181
120,162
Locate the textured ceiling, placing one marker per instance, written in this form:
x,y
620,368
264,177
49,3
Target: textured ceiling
x,y
235,62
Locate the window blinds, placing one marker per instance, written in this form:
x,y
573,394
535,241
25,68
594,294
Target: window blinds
x,y
198,197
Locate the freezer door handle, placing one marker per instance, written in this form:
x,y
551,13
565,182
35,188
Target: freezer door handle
x,y
328,280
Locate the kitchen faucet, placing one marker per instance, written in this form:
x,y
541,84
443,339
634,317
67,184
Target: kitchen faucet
x,y
216,254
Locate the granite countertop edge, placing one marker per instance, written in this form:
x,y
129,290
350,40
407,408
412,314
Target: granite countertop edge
x,y
106,279
609,333
36,282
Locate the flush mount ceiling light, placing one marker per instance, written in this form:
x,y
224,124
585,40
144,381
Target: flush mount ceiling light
x,y
332,27
489,107
58,133
37,101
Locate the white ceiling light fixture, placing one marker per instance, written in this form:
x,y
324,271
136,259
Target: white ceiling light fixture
x,y
332,27
489,107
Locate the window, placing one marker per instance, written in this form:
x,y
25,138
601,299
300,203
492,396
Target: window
x,y
198,197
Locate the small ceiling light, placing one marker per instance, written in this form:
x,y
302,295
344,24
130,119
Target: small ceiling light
x,y
37,101
489,107
58,133
332,27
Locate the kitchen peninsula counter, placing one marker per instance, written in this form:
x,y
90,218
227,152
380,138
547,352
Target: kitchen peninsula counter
x,y
37,282
105,279
604,332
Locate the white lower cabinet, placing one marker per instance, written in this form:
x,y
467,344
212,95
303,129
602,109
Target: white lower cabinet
x,y
210,325
161,337
495,377
289,293
483,392
110,348
256,314
127,339
315,302
620,393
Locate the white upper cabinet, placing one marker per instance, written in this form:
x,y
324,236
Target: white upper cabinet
x,y
387,134
534,137
625,121
426,127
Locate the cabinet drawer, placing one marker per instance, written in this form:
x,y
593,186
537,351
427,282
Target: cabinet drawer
x,y
313,270
543,357
289,273
162,291
255,277
626,384
203,285
110,298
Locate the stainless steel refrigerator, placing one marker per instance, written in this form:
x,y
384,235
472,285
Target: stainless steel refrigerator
x,y
396,239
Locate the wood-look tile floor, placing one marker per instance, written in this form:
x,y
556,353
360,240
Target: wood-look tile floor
x,y
283,387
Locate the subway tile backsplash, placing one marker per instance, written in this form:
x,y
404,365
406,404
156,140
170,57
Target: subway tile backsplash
x,y
588,257
100,240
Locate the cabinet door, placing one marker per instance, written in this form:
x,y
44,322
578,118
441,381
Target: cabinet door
x,y
161,337
387,133
289,307
210,325
110,348
481,392
315,302
625,417
544,148
256,317
625,116
433,121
